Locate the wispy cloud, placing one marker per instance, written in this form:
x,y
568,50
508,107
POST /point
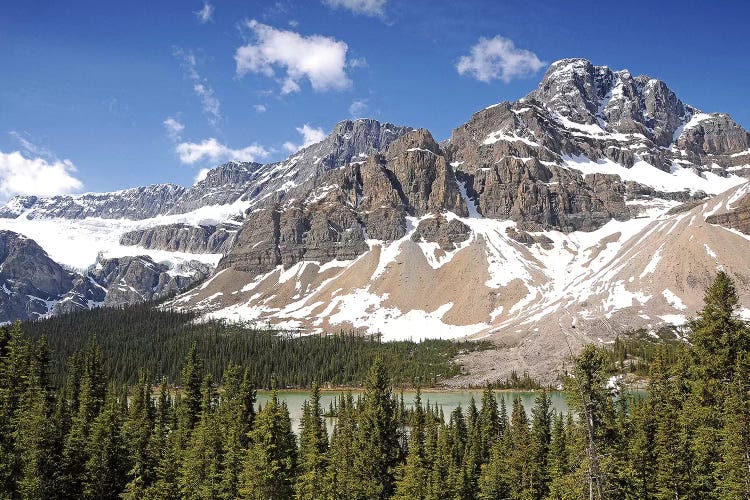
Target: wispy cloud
x,y
214,151
358,108
174,128
358,62
30,146
209,102
374,8
498,59
319,59
310,135
259,108
206,13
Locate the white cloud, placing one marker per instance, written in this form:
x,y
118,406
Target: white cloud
x,y
259,108
36,176
320,59
358,62
212,150
206,13
310,136
31,148
364,7
498,59
209,101
174,128
358,108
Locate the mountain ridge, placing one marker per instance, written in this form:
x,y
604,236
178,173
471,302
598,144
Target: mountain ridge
x,y
527,215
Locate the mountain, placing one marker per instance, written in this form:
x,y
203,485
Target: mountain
x,y
600,202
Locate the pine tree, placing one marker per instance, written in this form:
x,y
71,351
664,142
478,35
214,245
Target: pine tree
x,y
313,459
342,479
192,380
378,447
33,443
236,414
137,431
90,399
105,473
162,448
541,435
588,394
200,467
733,472
414,477
641,466
271,461
489,423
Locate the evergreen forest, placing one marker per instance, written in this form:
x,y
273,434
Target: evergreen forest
x,y
101,433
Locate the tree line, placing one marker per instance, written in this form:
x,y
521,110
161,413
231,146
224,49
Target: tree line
x,y
92,438
142,337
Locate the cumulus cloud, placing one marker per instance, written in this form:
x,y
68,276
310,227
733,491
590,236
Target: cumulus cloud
x,y
20,175
319,59
358,108
259,108
174,128
206,13
214,151
310,135
375,8
209,101
498,59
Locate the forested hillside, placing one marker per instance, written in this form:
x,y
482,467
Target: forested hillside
x,y
92,438
143,337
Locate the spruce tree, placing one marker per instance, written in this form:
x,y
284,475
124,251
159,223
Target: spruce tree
x,y
378,447
200,467
413,482
105,473
342,479
271,461
137,431
313,449
541,435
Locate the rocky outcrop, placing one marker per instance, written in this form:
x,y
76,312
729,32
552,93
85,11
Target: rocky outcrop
x,y
183,238
366,199
33,285
129,280
448,234
222,185
737,218
713,134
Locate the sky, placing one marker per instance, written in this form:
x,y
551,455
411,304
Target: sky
x,y
102,95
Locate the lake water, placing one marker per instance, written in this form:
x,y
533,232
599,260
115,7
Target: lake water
x,y
448,400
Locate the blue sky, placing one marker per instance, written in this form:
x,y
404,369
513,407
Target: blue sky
x,y
103,95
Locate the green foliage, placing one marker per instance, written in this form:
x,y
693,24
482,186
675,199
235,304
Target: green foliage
x,y
90,437
129,336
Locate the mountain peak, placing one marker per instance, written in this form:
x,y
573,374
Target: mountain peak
x,y
614,100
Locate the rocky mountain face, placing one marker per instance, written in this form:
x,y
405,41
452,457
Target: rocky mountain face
x,y
564,217
129,280
136,203
184,238
35,286
371,198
